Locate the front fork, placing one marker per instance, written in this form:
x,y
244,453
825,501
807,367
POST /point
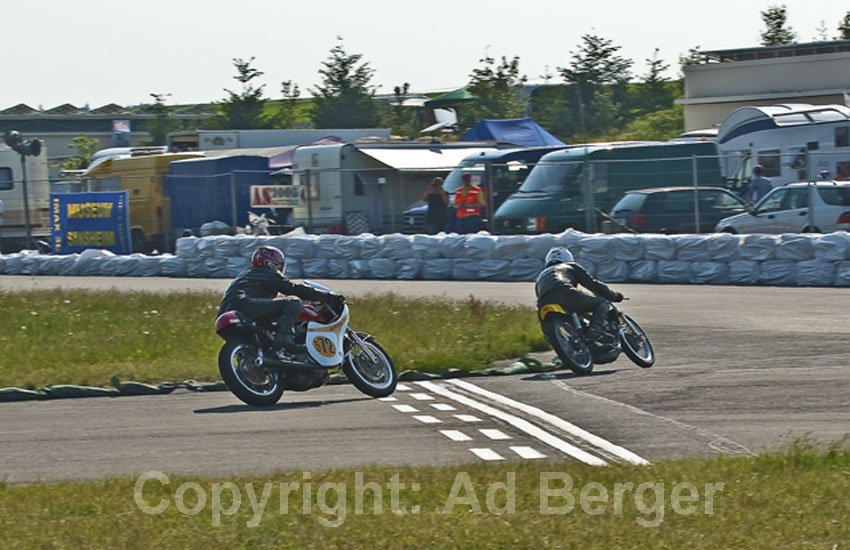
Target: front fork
x,y
359,341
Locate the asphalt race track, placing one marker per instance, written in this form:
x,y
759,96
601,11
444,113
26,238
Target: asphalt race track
x,y
739,370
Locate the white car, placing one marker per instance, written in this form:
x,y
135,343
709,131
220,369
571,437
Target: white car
x,y
786,210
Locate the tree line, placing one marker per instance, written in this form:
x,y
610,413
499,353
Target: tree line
x,y
597,98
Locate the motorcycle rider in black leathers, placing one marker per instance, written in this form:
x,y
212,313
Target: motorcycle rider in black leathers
x,y
254,292
558,284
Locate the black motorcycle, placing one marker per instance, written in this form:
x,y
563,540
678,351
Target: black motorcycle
x,y
567,332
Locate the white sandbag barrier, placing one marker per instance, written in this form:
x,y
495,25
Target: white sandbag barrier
x,y
775,260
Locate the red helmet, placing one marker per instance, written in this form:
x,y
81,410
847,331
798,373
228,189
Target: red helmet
x,y
269,256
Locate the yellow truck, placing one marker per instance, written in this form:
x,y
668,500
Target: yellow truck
x,y
142,176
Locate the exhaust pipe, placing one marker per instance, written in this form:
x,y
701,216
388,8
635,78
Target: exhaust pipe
x,y
269,362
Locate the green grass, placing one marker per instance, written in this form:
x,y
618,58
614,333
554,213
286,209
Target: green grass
x,y
796,498
86,337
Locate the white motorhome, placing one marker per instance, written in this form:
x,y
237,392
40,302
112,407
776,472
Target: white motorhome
x,y
359,187
793,142
13,231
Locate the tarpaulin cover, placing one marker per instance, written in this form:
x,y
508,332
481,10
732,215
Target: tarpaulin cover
x,y
521,131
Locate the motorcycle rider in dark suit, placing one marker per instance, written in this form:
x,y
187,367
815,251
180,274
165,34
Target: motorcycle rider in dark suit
x,y
559,283
255,292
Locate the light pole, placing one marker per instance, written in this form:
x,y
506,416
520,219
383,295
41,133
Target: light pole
x,y
24,147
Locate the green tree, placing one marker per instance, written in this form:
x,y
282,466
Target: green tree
x,y
844,28
693,57
777,32
401,120
550,107
161,125
595,64
286,114
345,98
85,148
659,125
498,89
653,93
243,110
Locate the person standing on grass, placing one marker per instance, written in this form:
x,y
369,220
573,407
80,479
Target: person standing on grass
x,y
438,206
469,200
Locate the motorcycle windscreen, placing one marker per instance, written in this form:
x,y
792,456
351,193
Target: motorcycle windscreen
x,y
324,341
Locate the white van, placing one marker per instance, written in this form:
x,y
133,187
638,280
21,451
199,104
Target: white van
x,y
14,230
793,142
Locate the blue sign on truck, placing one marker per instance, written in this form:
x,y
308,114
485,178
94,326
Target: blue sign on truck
x,y
90,220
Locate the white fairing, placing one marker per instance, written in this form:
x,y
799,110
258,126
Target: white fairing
x,y
325,341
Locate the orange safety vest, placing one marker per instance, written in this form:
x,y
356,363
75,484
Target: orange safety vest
x,y
471,198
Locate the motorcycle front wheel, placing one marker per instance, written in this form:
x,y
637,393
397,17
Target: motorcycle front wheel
x,y
568,343
256,386
376,378
635,343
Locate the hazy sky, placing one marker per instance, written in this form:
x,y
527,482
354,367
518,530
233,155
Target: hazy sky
x,y
98,52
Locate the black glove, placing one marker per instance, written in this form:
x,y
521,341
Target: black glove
x,y
616,297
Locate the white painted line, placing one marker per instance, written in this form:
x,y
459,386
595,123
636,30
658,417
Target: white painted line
x,y
402,387
495,435
406,408
487,454
422,396
467,418
427,419
390,398
528,453
456,435
442,406
718,442
519,423
560,423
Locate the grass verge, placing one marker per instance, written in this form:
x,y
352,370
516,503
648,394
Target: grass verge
x,y
86,337
795,498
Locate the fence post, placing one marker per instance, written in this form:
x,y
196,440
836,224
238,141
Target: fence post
x,y
589,212
26,199
489,189
309,193
233,198
696,192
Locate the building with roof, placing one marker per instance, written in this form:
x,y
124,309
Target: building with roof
x,y
724,80
109,124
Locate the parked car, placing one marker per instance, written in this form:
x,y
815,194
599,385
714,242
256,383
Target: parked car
x,y
786,210
671,210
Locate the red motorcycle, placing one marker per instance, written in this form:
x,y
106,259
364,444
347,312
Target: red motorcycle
x,y
258,376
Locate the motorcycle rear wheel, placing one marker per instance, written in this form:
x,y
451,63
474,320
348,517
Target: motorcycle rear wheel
x,y
374,378
635,343
256,386
568,344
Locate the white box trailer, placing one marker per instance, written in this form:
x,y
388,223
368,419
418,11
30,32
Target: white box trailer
x,y
793,142
364,187
13,230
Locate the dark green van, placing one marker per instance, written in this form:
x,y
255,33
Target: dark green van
x,y
553,196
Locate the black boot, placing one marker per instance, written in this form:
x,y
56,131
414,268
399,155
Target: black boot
x,y
287,342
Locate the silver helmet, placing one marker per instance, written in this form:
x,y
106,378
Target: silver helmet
x,y
558,255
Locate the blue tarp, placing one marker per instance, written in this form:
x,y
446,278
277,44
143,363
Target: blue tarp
x,y
200,188
521,131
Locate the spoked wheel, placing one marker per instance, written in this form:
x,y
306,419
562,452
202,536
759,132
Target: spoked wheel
x,y
568,344
376,375
635,343
256,386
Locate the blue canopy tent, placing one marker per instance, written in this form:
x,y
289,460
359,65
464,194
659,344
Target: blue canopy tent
x,y
520,131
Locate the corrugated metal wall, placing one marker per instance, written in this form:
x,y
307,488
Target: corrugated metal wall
x,y
714,90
